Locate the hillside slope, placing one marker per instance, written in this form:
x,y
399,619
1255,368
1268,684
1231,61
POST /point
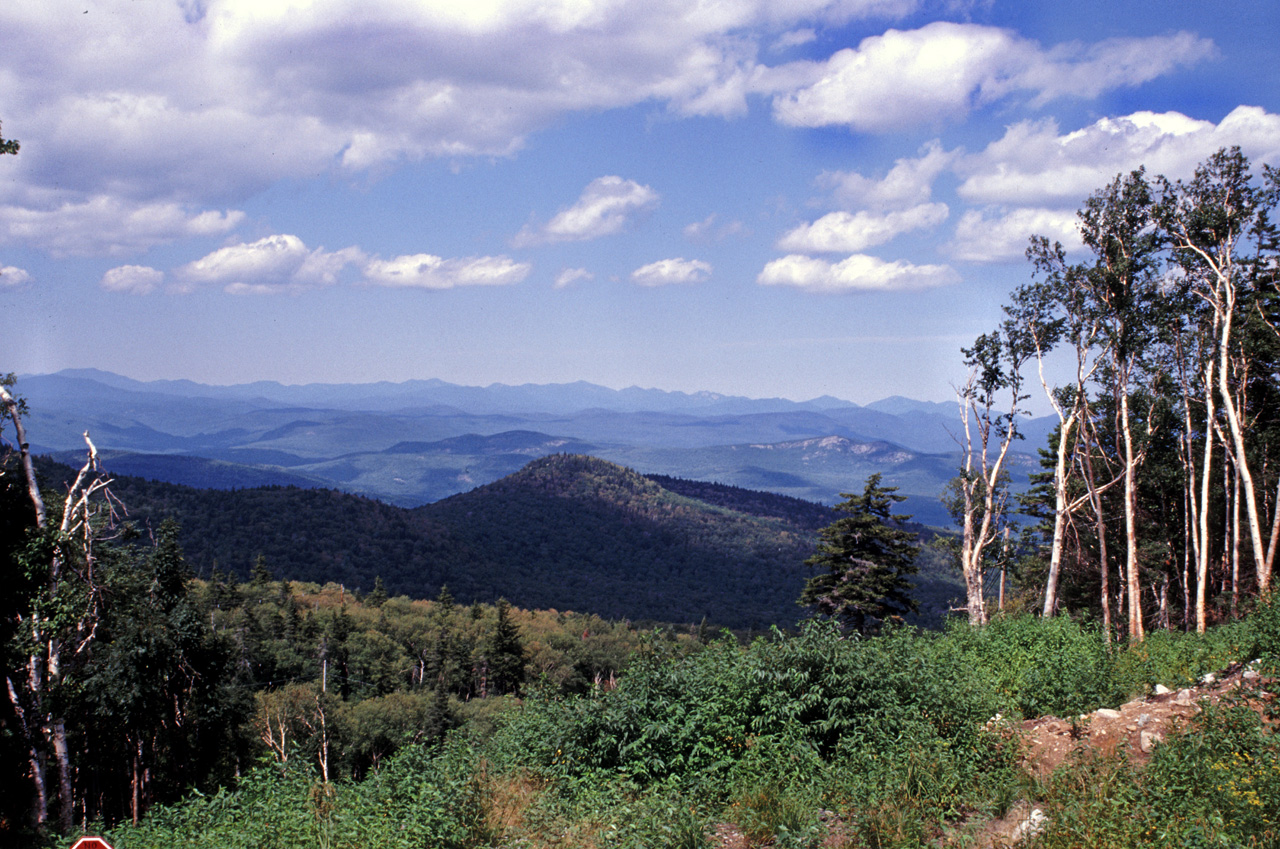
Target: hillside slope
x,y
587,534
568,532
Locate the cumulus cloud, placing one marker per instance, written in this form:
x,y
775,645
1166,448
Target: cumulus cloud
x,y
845,232
999,235
142,119
1033,163
669,271
1034,178
569,276
908,183
188,101
109,225
604,208
133,279
12,277
941,71
425,271
857,273
280,263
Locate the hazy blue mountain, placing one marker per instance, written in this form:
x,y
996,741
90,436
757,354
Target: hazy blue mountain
x,y
386,396
419,441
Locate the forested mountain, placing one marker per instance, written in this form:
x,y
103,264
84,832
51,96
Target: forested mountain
x,y
566,532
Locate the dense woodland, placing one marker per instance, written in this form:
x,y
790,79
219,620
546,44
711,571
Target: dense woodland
x,y
585,535
269,712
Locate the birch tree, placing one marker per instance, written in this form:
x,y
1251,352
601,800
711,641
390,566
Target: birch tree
x,y
990,405
1051,311
1122,285
1210,222
60,616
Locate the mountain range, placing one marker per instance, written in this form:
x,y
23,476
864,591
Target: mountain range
x,y
421,441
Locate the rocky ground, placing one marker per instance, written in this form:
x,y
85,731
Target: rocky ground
x,y
1135,726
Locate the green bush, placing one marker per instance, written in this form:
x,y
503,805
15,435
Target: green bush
x,y
891,733
1220,774
1263,632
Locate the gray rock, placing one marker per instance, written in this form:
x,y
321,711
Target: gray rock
x,y
1148,739
1031,826
1106,713
1161,690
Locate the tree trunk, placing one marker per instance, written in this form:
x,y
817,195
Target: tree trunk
x,y
1132,577
35,762
1059,517
1235,545
1202,562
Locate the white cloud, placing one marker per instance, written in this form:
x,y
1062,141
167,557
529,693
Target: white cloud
x,y
280,263
794,38
12,277
943,70
141,118
195,101
669,271
908,183
569,276
1076,70
997,236
604,208
425,271
706,230
132,279
103,224
857,273
845,232
1033,164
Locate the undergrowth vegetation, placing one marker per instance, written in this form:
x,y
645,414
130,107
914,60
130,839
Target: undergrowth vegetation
x,y
796,740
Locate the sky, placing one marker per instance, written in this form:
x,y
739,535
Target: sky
x,y
769,198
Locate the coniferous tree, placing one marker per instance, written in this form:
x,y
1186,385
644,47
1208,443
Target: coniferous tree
x,y
505,653
863,559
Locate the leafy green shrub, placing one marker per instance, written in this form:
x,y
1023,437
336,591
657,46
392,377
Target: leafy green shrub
x,y
263,811
1176,659
1220,774
1263,632
1044,666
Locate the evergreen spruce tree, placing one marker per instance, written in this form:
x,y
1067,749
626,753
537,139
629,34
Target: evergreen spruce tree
x,y
863,561
378,595
506,653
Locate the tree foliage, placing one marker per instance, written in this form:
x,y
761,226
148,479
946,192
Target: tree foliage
x,y
863,561
1166,462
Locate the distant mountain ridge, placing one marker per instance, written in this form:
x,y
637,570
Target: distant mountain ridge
x,y
420,441
386,396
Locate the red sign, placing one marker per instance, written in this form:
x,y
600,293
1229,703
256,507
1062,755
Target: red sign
x,y
91,843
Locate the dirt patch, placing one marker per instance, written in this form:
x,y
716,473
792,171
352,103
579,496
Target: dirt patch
x,y
1135,726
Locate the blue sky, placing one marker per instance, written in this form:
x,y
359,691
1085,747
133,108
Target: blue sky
x,y
758,197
